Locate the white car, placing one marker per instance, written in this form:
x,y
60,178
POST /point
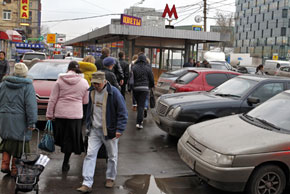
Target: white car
x,y
30,58
271,66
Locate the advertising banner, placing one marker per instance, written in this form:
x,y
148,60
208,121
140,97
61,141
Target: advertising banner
x,y
24,9
26,45
51,38
130,20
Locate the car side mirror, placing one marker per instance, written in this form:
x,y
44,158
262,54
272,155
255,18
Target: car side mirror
x,y
253,100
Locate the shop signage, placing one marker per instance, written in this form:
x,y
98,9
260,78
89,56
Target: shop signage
x,y
24,9
51,38
130,20
275,56
170,12
25,45
35,39
197,28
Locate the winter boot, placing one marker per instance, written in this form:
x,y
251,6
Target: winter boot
x,y
13,167
5,163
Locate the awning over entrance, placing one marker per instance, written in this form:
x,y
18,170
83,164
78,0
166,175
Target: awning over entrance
x,y
3,36
115,32
14,36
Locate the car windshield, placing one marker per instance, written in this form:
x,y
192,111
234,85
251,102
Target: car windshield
x,y
275,111
47,70
175,73
230,87
33,56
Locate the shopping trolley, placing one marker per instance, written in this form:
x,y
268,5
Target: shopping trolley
x,y
27,171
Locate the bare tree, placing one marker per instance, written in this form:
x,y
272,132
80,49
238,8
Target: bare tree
x,y
44,30
225,23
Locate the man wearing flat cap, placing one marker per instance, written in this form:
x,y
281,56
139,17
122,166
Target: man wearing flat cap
x,y
106,120
109,63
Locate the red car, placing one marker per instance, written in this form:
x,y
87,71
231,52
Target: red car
x,y
44,74
201,80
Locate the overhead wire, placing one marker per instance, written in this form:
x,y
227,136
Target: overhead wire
x,y
82,18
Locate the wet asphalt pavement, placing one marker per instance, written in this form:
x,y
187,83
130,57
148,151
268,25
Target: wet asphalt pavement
x,y
148,164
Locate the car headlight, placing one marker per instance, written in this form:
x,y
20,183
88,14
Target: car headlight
x,y
185,136
217,158
174,112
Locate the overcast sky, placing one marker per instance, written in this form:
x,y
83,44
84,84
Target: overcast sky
x,y
70,9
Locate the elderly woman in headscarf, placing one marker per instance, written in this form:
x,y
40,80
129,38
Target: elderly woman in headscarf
x,y
143,81
18,116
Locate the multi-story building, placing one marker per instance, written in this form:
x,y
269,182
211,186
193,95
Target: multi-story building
x,y
10,18
262,28
150,17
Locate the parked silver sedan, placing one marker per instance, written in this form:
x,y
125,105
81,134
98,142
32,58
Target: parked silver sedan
x,y
243,152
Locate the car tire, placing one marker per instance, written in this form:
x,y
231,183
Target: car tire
x,y
268,179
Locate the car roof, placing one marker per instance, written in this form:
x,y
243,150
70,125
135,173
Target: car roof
x,y
211,70
260,78
35,53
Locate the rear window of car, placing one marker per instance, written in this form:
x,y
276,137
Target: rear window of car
x,y
33,56
175,73
188,77
216,79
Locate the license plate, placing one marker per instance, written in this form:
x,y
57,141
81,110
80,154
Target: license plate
x,y
190,162
41,118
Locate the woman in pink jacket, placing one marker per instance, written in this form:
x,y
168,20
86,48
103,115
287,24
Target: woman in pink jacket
x,y
65,105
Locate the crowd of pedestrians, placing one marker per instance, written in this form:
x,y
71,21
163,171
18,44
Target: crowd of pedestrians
x,y
91,93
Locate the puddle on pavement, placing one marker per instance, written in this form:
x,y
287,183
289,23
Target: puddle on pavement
x,y
148,184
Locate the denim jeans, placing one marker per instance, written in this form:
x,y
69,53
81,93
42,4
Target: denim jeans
x,y
140,97
96,139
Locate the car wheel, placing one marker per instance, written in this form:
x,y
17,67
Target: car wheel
x,y
269,179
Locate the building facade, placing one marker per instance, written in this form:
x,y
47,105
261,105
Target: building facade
x,y
10,18
262,28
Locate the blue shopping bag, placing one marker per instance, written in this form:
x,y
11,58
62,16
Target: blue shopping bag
x,y
47,141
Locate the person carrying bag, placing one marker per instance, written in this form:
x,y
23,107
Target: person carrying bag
x,y
47,141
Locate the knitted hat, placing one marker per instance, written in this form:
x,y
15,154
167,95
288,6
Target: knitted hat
x,y
20,69
109,61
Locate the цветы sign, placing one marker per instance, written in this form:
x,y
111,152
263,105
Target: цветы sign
x,y
130,20
24,9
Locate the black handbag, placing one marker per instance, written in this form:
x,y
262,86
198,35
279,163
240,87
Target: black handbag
x,y
152,99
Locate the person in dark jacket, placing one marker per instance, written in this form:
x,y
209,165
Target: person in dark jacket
x,y
117,69
107,117
108,63
4,65
143,81
190,63
18,115
125,67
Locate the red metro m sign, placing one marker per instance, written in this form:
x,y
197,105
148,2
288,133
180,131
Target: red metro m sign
x,y
170,12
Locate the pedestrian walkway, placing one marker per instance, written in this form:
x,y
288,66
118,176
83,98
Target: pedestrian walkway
x,y
147,154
